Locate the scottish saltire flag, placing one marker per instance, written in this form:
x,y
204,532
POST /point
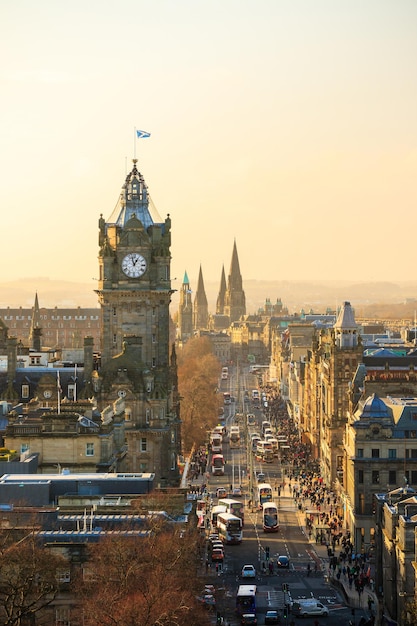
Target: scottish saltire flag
x,y
142,134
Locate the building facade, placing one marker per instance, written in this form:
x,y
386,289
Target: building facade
x,y
138,363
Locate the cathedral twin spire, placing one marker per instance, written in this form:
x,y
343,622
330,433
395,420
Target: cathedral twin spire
x,y
231,301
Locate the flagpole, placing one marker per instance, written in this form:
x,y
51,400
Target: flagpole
x,y
59,392
75,384
134,143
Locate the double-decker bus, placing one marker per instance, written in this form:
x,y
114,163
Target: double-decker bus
x,y
216,443
234,438
229,528
270,517
264,493
235,507
215,513
217,465
246,599
261,447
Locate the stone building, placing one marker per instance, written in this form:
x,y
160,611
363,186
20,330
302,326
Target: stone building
x,y
62,328
72,436
138,362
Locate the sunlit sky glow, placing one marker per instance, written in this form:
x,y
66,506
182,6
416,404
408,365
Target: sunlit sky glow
x,y
288,125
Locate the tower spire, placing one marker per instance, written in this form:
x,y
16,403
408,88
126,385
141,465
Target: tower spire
x,y
222,294
235,300
200,304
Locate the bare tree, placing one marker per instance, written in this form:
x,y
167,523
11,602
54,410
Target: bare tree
x,y
198,375
29,582
142,582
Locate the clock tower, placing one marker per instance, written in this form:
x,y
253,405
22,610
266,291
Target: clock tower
x,y
134,292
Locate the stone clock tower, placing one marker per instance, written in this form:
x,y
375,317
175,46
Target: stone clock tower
x,y
134,291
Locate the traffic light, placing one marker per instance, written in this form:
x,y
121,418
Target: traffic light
x,y
285,612
284,587
267,552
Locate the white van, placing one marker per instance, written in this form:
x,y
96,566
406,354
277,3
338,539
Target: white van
x,y
309,608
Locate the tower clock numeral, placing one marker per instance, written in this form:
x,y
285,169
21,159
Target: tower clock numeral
x,y
134,265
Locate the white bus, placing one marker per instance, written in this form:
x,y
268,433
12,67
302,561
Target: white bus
x,y
246,599
229,528
235,507
215,513
264,492
225,373
270,520
234,438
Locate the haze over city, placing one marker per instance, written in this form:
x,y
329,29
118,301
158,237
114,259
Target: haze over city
x,y
289,126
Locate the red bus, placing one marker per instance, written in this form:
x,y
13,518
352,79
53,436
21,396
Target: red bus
x,y
217,465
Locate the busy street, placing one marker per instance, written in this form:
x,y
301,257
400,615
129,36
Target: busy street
x,y
302,565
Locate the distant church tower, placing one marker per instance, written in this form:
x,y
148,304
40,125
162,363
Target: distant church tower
x,y
134,292
222,294
35,332
200,318
185,311
235,301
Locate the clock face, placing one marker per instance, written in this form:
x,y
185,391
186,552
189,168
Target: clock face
x,y
47,394
134,265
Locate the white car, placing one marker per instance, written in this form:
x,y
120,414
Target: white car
x,y
248,571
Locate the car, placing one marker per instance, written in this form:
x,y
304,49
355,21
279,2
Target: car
x,y
309,608
217,554
283,561
207,600
260,477
221,492
237,492
272,617
248,618
248,571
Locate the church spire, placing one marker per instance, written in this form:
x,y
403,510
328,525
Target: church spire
x,y
185,311
200,304
35,326
222,294
235,300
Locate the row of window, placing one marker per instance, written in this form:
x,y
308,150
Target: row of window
x,y
89,448
70,391
392,453
409,476
55,318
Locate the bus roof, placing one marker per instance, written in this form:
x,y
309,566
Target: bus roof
x,y
228,516
219,508
229,501
269,505
246,590
264,486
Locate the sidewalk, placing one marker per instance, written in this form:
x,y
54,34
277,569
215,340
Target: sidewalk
x,y
366,600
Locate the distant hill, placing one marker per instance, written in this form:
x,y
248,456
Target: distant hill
x,y
376,299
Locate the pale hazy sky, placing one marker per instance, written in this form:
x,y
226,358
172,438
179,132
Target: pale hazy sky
x,y
288,125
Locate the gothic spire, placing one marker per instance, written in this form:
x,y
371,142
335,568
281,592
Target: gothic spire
x,y
222,294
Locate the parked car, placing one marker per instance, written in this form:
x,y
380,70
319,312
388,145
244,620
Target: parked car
x,y
248,571
217,554
272,617
248,618
207,599
283,561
